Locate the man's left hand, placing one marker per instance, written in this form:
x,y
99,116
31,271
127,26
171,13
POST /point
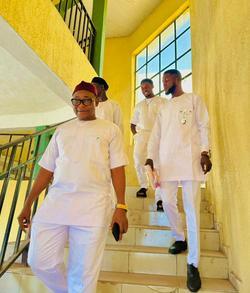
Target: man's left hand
x,y
205,163
120,217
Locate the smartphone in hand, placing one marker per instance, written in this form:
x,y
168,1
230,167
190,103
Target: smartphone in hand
x,y
116,231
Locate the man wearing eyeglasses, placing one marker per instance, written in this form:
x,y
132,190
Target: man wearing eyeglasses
x,y
83,157
106,109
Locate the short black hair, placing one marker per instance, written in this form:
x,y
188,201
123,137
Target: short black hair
x,y
100,81
173,72
147,80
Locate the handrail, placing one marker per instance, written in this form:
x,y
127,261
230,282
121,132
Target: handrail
x,y
10,187
80,24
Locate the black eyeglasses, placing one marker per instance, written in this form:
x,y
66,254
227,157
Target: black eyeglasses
x,y
85,102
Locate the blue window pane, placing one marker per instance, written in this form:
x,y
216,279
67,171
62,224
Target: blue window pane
x,y
138,95
184,65
141,59
153,48
187,84
153,67
167,56
167,36
182,22
156,81
183,43
140,75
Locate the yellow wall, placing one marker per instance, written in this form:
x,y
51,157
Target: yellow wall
x,y
221,68
4,216
118,64
43,29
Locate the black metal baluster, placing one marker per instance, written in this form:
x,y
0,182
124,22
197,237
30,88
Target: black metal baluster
x,y
11,216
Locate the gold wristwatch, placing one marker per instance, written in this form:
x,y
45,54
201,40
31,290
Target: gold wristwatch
x,y
122,206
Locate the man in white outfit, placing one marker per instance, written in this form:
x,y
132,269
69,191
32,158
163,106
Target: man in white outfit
x,y
83,156
142,122
179,144
106,109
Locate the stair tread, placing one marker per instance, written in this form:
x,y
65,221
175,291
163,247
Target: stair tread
x,y
215,285
167,281
155,249
160,227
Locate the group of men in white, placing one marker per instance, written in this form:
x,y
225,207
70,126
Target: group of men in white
x,y
86,159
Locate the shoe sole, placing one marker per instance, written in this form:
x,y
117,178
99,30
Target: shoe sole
x,y
193,290
176,252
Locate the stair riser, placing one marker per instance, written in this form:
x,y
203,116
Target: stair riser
x,y
160,219
162,264
104,287
162,238
148,204
21,283
131,192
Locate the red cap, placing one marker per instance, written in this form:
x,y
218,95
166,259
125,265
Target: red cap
x,y
85,86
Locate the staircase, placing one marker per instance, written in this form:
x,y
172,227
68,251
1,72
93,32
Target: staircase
x,y
141,263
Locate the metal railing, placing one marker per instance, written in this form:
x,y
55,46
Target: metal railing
x,y
79,23
11,183
22,153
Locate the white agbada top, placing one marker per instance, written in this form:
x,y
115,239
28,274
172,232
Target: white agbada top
x,y
111,111
178,137
81,154
145,113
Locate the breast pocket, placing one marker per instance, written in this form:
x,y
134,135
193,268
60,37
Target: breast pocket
x,y
185,116
68,148
96,149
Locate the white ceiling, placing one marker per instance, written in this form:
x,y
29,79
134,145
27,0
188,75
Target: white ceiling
x,y
124,16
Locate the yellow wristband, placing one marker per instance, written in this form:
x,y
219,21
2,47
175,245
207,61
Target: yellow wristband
x,y
122,206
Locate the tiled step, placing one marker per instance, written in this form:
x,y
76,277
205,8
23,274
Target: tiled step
x,y
131,192
156,236
20,279
112,282
160,236
136,217
156,260
148,204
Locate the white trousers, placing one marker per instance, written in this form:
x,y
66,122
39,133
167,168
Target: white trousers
x,y
191,202
46,254
140,155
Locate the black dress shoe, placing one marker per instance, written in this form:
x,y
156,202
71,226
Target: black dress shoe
x,y
159,206
178,247
193,278
142,192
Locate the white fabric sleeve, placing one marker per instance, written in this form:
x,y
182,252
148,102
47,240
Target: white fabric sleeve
x,y
48,160
118,117
202,120
117,152
154,142
136,116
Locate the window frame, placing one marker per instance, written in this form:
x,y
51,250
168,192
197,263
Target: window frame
x,y
172,64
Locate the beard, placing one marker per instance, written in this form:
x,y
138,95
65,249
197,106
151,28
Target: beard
x,y
171,90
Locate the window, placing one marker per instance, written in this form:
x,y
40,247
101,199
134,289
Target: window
x,y
170,49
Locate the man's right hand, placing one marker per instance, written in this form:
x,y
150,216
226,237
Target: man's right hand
x,y
24,218
150,163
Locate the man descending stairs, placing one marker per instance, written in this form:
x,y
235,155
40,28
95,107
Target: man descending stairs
x,y
141,262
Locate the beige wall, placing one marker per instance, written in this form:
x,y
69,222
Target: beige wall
x,y
221,70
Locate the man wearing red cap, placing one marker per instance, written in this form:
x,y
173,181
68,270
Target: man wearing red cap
x,y
83,157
